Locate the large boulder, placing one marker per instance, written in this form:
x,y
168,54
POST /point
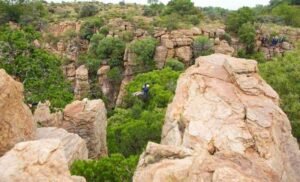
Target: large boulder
x,y
224,124
224,48
16,121
43,116
74,146
87,118
41,160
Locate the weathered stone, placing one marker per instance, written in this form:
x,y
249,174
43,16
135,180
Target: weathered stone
x,y
41,160
43,116
230,119
224,48
160,57
87,118
74,146
184,53
82,86
286,45
16,121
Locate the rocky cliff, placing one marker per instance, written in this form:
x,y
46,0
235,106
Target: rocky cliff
x,y
224,124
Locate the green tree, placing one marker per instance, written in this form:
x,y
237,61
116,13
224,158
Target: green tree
x,y
181,7
247,36
237,18
38,70
175,65
290,14
283,75
90,27
88,10
144,50
152,1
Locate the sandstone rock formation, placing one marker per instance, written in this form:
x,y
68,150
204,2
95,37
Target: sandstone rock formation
x,y
224,124
224,48
16,121
87,118
43,116
74,146
82,86
41,160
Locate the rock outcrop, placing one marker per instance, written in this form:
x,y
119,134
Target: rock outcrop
x,y
43,116
82,86
74,146
16,121
224,124
87,118
41,160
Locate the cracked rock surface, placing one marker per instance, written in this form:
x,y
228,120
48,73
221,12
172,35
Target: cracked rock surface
x,y
224,124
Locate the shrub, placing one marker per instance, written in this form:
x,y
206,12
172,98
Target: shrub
x,y
247,36
175,65
127,36
202,46
115,75
88,10
144,50
290,14
104,30
226,37
283,74
113,168
38,70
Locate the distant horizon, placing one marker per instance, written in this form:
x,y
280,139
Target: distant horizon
x,y
226,4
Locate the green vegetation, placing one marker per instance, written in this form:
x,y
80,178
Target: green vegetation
x,y
144,50
202,46
175,65
38,70
115,168
236,19
247,36
283,75
88,10
90,27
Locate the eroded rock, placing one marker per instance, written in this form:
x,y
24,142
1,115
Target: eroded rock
x,y
16,121
230,119
74,146
41,160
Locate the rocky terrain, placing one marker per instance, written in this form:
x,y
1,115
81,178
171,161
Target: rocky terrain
x,y
156,93
224,123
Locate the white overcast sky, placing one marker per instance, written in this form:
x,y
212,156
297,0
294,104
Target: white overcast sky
x,y
229,4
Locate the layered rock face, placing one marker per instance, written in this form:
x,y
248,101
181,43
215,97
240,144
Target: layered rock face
x,y
16,121
74,146
88,120
224,124
41,160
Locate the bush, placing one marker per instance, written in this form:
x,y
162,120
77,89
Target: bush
x,y
290,14
247,36
111,48
175,65
127,36
89,28
226,37
236,19
194,19
202,46
38,70
283,75
114,168
115,75
144,50
88,10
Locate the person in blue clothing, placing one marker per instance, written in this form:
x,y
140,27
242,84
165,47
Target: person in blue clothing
x,y
274,41
145,90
